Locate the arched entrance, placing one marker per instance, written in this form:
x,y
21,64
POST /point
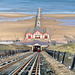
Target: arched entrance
x,y
35,48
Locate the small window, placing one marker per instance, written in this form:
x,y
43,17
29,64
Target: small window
x,y
29,36
37,36
46,36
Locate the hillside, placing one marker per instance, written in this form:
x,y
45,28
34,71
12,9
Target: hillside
x,y
69,48
13,47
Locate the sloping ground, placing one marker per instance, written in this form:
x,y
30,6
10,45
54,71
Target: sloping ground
x,y
69,48
13,47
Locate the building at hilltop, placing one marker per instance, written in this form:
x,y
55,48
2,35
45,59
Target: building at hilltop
x,y
37,33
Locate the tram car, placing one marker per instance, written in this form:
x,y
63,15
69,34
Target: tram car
x,y
36,49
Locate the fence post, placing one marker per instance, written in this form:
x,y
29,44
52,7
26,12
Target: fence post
x,y
63,58
5,52
9,52
53,54
58,55
72,67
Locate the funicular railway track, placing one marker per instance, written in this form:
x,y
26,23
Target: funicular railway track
x,y
27,65
35,67
9,64
29,68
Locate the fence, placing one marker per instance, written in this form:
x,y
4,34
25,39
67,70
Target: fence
x,y
7,53
64,58
6,42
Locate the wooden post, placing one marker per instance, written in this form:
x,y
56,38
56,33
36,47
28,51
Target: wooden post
x,y
73,64
63,58
58,55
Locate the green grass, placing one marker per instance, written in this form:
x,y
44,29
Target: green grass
x,y
13,47
69,48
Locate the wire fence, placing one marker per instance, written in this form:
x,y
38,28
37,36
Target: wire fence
x,y
7,53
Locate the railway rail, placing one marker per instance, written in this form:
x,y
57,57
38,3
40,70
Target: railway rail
x,y
13,62
28,65
10,58
28,68
6,69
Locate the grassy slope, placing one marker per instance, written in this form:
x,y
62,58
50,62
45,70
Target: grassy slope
x,y
13,47
69,48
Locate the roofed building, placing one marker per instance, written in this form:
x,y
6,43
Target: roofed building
x,y
37,33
